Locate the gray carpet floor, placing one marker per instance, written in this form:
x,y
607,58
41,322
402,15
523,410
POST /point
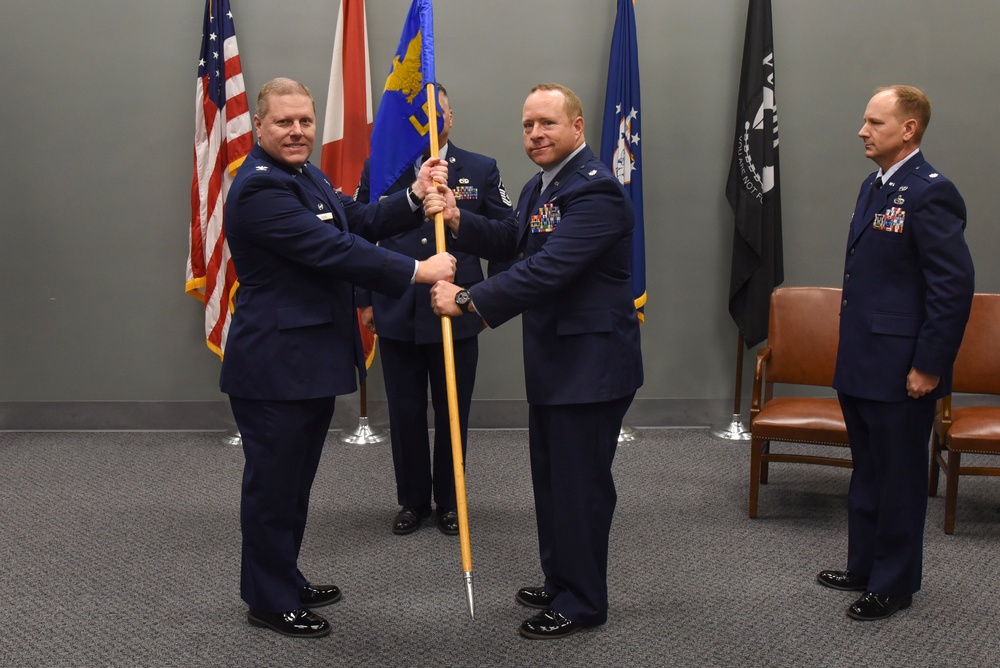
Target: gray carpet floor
x,y
122,549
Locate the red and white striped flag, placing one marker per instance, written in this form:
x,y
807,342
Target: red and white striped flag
x,y
223,138
347,127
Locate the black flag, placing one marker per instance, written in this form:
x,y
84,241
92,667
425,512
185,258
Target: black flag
x,y
752,188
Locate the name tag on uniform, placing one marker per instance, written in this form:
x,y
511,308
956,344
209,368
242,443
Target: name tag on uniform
x,y
892,220
325,216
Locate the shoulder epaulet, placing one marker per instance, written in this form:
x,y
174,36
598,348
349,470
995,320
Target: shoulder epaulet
x,y
589,170
927,173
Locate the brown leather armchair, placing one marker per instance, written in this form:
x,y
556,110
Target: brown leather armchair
x,y
969,429
803,332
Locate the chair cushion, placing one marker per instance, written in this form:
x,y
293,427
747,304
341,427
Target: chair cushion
x,y
804,419
975,429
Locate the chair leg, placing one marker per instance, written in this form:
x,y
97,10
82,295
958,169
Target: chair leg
x,y
765,449
756,447
951,490
935,472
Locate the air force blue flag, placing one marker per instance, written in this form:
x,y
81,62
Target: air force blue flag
x,y
620,135
401,132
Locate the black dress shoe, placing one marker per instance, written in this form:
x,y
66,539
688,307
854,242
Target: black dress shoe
x,y
873,606
534,597
294,623
842,580
408,519
548,625
448,522
316,596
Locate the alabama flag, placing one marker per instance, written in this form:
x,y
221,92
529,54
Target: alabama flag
x,y
347,127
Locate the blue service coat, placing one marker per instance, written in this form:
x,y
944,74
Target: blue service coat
x,y
298,247
571,280
475,179
908,284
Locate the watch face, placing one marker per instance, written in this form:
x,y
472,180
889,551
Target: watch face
x,y
462,297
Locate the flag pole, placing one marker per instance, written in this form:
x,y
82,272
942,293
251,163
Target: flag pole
x,y
735,431
454,423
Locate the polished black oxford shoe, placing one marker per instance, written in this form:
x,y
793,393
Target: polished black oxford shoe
x,y
294,623
534,597
548,625
408,519
316,596
448,522
842,580
873,606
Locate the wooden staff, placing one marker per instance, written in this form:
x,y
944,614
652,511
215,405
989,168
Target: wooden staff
x,y
454,423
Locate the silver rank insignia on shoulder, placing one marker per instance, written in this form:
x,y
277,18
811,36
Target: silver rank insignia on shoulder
x,y
262,168
933,176
592,172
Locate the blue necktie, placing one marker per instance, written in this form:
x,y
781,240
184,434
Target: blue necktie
x,y
535,195
871,192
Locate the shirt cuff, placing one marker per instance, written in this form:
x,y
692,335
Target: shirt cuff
x,y
412,198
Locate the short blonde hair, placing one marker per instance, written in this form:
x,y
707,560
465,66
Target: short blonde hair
x,y
574,108
911,102
280,86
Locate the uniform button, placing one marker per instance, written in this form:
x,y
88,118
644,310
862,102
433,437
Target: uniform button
x,y
520,256
847,277
850,252
844,303
424,241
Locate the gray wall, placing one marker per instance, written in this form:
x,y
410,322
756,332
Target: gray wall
x,y
97,128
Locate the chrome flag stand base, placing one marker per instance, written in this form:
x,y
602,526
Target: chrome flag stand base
x,y
364,434
627,435
734,431
232,438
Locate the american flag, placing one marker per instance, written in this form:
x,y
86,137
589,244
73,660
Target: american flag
x,y
223,138
347,127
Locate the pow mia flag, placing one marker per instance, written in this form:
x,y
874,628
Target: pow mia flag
x,y
752,188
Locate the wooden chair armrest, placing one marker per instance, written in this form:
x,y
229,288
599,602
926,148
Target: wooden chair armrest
x,y
945,404
763,355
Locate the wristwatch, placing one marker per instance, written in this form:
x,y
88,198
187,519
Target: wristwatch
x,y
463,299
413,197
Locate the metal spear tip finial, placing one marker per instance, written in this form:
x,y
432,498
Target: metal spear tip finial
x,y
470,596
